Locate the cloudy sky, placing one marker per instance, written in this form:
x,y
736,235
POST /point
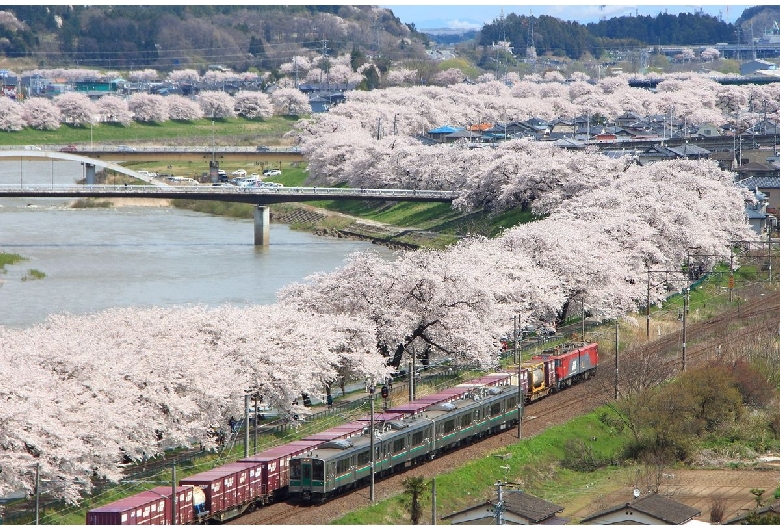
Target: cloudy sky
x,y
465,15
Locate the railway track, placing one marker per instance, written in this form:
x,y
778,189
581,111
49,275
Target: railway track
x,y
553,410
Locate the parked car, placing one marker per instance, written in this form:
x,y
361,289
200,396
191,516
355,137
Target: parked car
x,y
263,148
125,148
239,173
272,172
69,149
31,148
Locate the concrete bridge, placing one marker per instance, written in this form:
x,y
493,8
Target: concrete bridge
x,y
261,196
89,163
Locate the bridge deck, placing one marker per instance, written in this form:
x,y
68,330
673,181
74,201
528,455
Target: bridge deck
x,y
249,195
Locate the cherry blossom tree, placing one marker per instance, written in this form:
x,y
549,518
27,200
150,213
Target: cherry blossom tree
x,y
148,107
182,108
41,113
11,115
290,102
113,109
253,105
299,66
186,75
151,385
216,104
76,108
451,76
709,54
146,75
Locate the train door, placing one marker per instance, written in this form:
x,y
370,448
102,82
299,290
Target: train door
x,y
305,474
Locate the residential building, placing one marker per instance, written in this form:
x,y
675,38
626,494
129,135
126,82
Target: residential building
x,y
647,509
518,508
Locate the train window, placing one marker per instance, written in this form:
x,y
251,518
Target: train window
x,y
417,438
342,466
295,469
476,415
317,470
364,458
511,402
306,471
398,445
449,426
495,409
465,421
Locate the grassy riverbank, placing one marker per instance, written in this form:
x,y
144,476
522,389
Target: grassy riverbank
x,y
9,259
224,131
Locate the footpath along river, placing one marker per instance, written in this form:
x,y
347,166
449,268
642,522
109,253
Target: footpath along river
x,y
142,256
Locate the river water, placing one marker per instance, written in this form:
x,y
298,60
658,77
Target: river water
x,y
98,258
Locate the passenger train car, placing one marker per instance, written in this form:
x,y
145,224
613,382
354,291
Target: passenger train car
x,y
327,463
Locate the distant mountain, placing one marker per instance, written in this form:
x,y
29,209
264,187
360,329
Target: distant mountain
x,y
561,38
194,36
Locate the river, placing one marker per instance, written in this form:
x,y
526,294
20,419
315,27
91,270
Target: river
x,y
94,259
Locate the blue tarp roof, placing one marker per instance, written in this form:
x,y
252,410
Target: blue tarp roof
x,y
445,129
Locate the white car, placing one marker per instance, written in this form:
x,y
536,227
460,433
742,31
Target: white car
x,y
272,172
32,148
239,173
254,176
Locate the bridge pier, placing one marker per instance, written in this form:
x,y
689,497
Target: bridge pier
x,y
262,225
89,170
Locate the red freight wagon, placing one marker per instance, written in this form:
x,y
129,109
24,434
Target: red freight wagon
x,y
141,508
249,476
219,486
275,465
184,509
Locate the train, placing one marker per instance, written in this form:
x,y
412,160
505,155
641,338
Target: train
x,y
327,463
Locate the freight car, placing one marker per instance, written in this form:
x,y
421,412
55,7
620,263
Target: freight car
x,y
411,433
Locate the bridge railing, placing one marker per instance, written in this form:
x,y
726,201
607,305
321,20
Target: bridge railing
x,y
106,148
229,190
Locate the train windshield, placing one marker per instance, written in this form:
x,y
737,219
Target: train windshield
x,y
317,470
295,469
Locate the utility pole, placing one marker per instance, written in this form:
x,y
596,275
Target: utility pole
x,y
500,503
173,496
37,491
371,397
246,425
684,330
433,501
617,367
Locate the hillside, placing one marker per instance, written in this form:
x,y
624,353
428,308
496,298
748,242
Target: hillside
x,y
195,36
264,37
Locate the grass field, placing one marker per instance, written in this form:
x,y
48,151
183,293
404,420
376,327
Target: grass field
x,y
222,131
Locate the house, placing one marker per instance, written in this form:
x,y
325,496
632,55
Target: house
x,y
708,130
518,508
648,509
752,67
463,134
771,510
767,195
439,133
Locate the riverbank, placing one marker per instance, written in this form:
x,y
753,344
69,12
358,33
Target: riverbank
x,y
323,222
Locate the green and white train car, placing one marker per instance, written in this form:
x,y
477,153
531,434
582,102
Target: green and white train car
x,y
340,465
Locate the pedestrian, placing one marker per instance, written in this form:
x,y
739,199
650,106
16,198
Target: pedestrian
x,y
232,422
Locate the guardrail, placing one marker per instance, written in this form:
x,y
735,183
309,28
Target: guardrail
x,y
105,148
99,189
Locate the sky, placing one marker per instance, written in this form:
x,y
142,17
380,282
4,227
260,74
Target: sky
x,y
470,16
